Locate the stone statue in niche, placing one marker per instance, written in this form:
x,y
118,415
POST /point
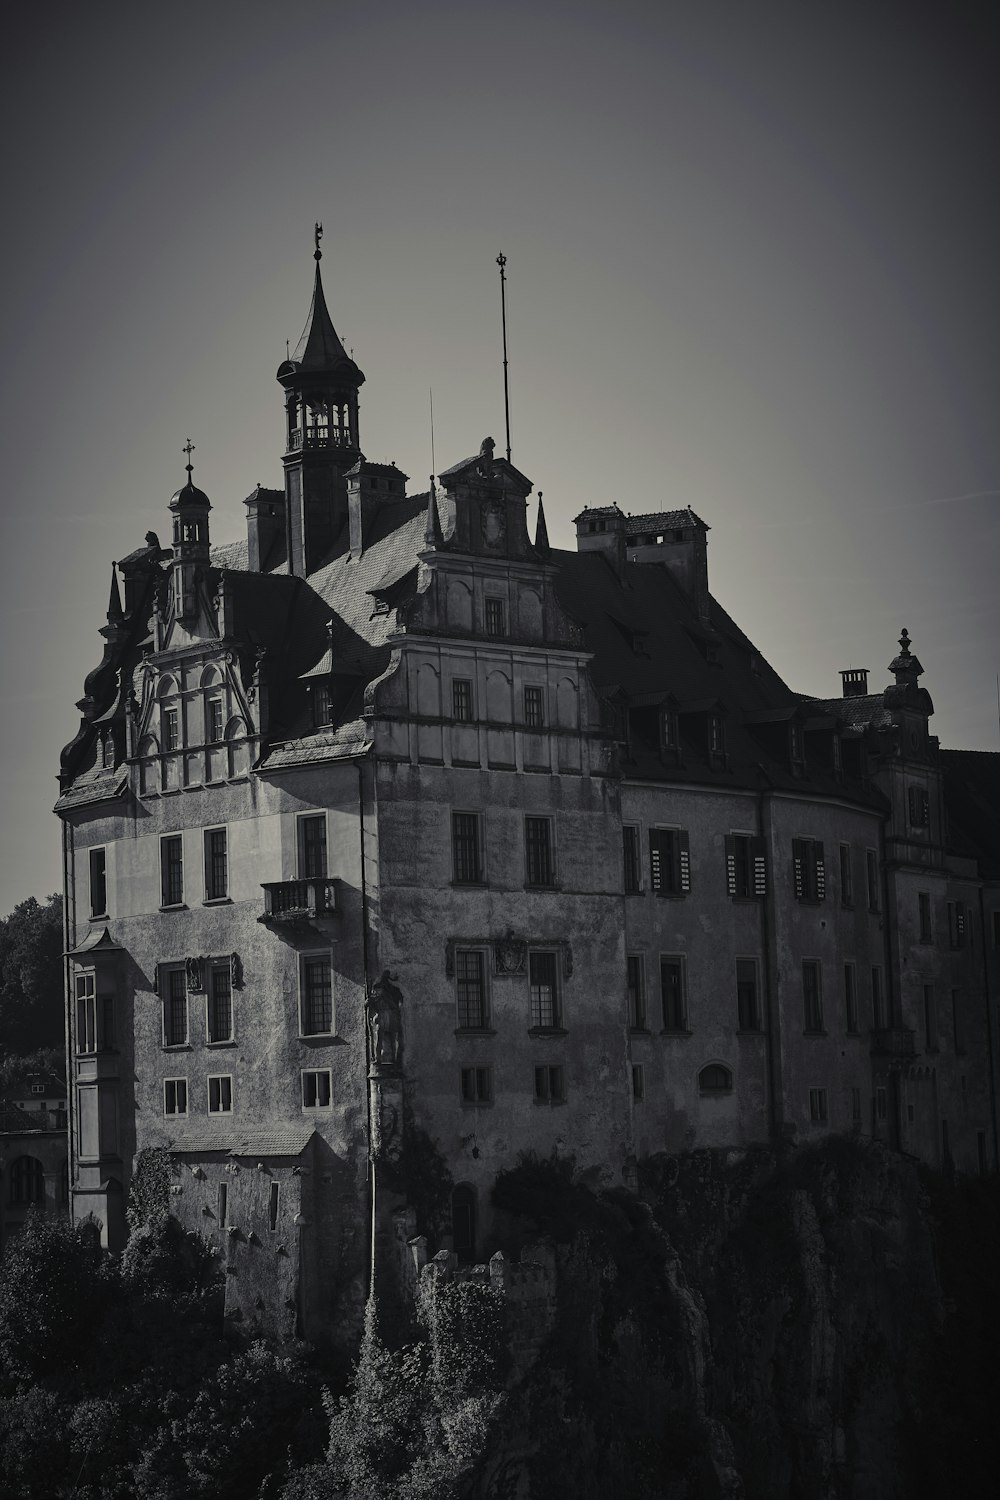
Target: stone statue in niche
x,y
509,953
385,1022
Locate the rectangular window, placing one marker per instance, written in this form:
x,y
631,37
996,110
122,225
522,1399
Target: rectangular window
x,y
175,1096
855,1106
216,864
669,861
817,1106
633,873
467,866
272,1206
716,736
171,870
220,1003
549,1085
461,699
846,876
223,1204
924,909
312,847
956,924
668,730
317,995
471,981
747,998
919,806
539,864
545,1012
214,724
322,705
534,707
171,729
871,871
672,994
808,870
86,1013
930,1019
638,1082
746,868
98,883
880,1103
636,992
220,1095
957,1021
812,995
476,1085
316,1088
851,1015
496,623
879,1018
175,1009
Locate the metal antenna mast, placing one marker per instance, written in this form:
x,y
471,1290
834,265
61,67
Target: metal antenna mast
x,y
430,392
501,262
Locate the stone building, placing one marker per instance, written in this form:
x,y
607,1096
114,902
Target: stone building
x,y
396,818
33,1151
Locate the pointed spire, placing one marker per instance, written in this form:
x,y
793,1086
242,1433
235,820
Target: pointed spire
x,y
319,348
541,530
433,535
115,612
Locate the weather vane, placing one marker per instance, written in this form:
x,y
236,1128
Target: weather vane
x,y
318,254
188,449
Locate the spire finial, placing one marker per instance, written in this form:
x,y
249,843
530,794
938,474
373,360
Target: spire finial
x,y
904,642
189,448
318,232
541,530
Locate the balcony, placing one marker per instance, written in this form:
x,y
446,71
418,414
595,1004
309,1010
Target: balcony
x,y
288,902
893,1041
319,437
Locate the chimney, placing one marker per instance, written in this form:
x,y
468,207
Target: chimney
x,y
370,486
855,681
265,529
602,529
678,540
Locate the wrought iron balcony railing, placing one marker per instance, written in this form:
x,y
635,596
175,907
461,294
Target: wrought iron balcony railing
x,y
893,1041
299,900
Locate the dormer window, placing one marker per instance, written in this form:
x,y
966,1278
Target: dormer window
x,y
716,735
668,729
322,704
796,748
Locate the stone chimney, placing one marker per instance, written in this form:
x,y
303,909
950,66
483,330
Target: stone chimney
x,y
369,487
265,529
678,540
602,529
855,682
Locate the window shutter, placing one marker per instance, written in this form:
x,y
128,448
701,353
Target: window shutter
x,y
656,852
759,866
960,923
798,869
911,793
731,864
820,870
683,861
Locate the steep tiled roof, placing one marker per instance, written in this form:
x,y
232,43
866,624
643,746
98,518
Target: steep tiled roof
x,y
231,555
972,795
662,520
94,786
860,712
287,1141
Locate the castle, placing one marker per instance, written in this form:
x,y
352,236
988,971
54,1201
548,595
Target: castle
x,y
395,818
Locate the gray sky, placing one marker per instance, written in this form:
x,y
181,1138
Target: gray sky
x,y
752,268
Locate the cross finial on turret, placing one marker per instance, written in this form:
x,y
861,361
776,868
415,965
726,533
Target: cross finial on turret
x,y
188,448
317,253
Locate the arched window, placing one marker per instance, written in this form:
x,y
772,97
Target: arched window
x,y
165,686
463,1222
715,1079
27,1181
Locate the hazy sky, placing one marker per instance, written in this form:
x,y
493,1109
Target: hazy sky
x,y
753,258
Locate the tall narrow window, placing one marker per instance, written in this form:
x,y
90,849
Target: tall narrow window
x,y
220,1095
636,992
879,1019
956,924
322,705
312,847
220,1004
272,1207
672,994
930,1020
846,876
808,870
171,870
918,806
465,846
747,999
175,1096
957,1021
461,699
630,845
549,1087
317,995
545,1011
175,1009
214,721
871,871
716,736
534,706
851,999
476,1085
469,974
746,868
98,883
817,1106
496,622
669,861
171,723
223,1204
812,996
86,1013
216,865
924,909
538,851
638,1083
316,1088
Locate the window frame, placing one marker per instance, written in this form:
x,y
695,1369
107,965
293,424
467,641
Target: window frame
x,y
175,1084
872,881
85,997
304,849
715,1090
880,1009
925,917
462,955
746,866
808,870
169,999
314,1077
534,706
540,853
678,961
635,994
475,1085
757,1022
98,881
306,961
215,725
852,1011
210,863
171,872
462,839
494,614
631,859
212,998
462,703
223,1093
669,861
638,1083
550,1084
819,1105
536,1005
812,1014
846,856
170,727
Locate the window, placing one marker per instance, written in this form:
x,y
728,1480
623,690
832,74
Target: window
x,y
545,1011
171,870
851,999
924,909
747,999
27,1181
461,699
534,707
223,1204
638,1082
540,869
817,1106
216,865
220,1003
214,721
98,883
855,1106
171,729
316,1088
715,1079
549,1085
716,736
496,624
918,806
312,846
86,1013
471,982
880,1103
956,924
808,870
796,748
672,994
322,705
846,876
812,995
220,1095
879,1018
958,1030
317,995
871,871
476,1085
930,1019
669,861
272,1206
746,867
668,729
175,1009
465,848
636,992
175,1096
633,873
463,1223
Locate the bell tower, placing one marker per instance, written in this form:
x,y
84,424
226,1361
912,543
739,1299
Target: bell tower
x,y
189,508
321,384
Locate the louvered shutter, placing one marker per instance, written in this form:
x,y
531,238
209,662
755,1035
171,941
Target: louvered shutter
x,y
759,859
656,855
731,864
683,861
820,868
798,868
960,923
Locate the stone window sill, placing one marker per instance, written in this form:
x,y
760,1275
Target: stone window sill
x,y
473,1031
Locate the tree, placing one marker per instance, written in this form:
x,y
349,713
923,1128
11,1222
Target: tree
x,y
31,977
53,1292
